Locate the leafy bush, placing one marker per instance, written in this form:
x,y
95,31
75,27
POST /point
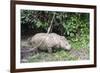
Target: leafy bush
x,y
71,25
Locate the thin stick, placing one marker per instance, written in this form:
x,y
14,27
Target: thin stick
x,y
51,23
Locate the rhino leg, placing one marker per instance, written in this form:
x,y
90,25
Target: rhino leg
x,y
50,50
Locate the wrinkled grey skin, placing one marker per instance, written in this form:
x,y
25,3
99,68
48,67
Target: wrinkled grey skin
x,y
49,41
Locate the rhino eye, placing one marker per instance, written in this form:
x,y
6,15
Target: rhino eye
x,y
66,44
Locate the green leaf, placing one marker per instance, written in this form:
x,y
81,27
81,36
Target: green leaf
x,y
71,34
38,24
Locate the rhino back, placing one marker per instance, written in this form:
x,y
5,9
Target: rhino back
x,y
45,41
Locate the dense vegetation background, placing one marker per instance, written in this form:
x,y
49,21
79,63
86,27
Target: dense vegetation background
x,y
73,25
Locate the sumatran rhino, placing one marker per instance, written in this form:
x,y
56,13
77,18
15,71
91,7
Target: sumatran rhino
x,y
49,41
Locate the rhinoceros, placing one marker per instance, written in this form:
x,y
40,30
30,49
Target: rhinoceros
x,y
49,41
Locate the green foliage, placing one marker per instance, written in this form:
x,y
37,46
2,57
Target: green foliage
x,y
77,24
69,24
35,20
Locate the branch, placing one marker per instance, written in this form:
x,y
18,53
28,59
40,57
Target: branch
x,y
49,28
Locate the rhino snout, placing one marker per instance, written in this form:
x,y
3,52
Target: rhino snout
x,y
68,47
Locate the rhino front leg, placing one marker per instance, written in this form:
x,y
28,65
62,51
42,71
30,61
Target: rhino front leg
x,y
50,50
